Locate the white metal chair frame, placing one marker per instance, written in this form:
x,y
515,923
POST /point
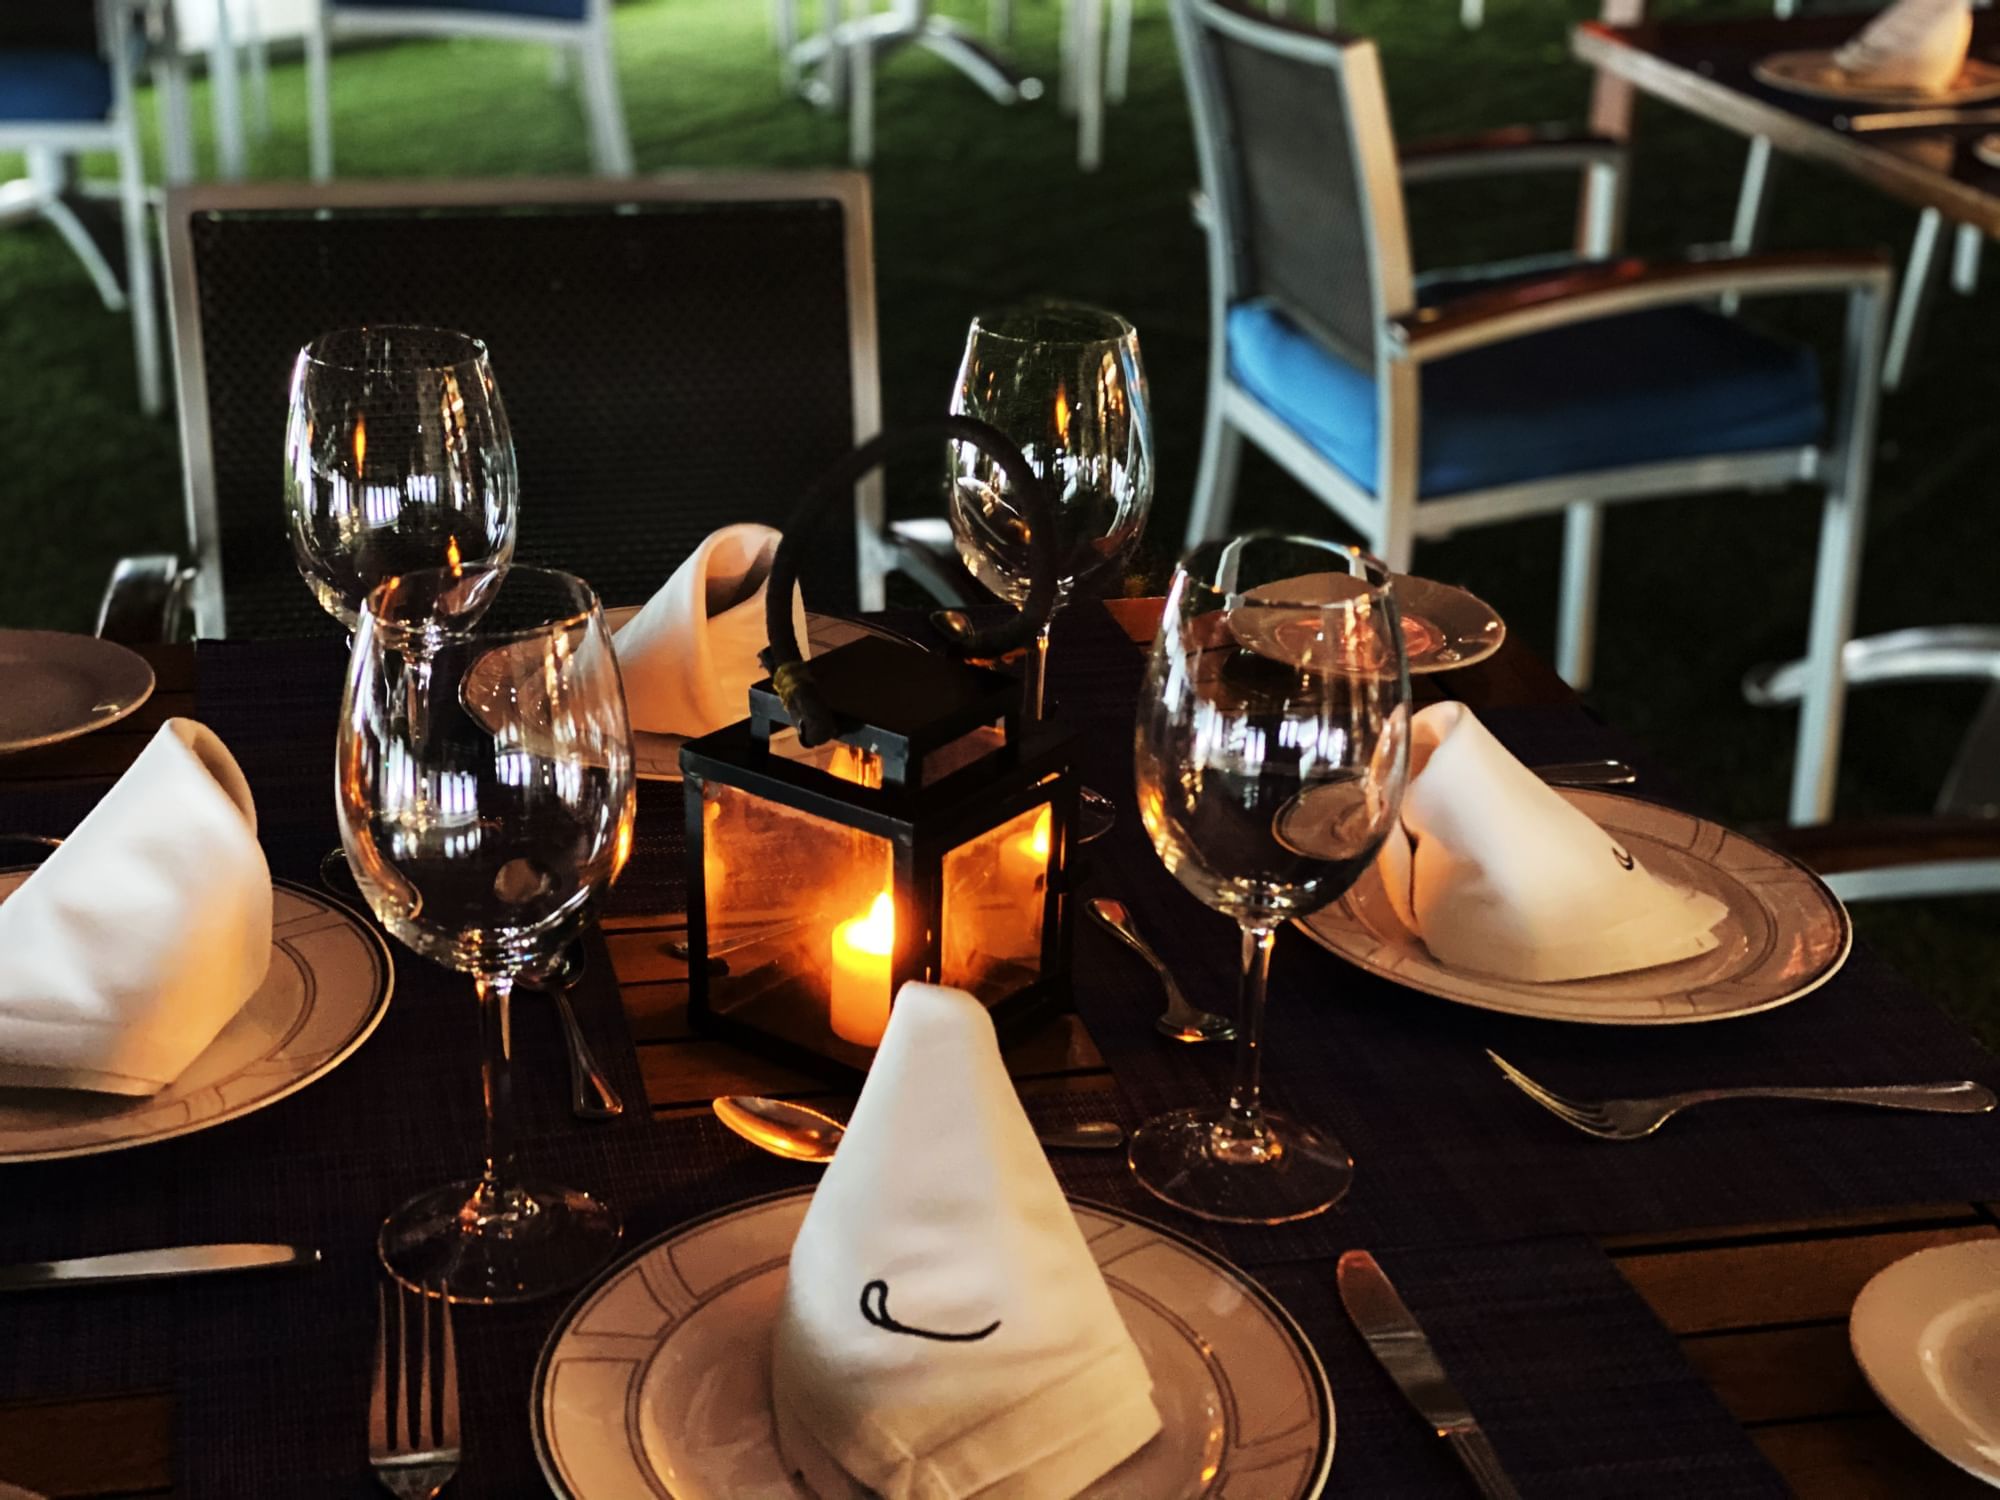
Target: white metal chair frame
x,y
589,40
1390,518
46,143
163,577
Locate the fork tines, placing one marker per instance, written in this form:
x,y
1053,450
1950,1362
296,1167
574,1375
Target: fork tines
x,y
413,1442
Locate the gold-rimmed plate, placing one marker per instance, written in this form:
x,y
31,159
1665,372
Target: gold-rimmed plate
x,y
1816,75
55,686
326,990
1783,933
1444,627
656,1384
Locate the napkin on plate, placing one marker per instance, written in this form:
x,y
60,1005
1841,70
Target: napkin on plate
x,y
1914,44
945,1331
136,942
1498,874
690,656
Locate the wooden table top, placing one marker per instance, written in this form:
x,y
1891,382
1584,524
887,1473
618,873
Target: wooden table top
x,y
1704,67
1761,1310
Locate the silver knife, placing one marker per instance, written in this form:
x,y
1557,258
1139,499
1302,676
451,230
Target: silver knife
x,y
1916,119
152,1265
1397,1340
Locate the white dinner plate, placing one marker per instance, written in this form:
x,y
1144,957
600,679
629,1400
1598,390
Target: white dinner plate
x,y
656,1384
1926,1333
326,990
1987,149
1816,75
1784,933
1444,626
55,686
657,757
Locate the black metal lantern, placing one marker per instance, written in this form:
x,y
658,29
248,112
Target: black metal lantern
x,y
884,814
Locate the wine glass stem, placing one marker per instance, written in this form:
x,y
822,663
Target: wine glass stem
x,y
496,1077
1245,1124
1037,682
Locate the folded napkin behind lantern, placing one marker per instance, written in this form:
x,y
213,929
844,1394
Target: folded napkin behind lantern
x,y
945,1331
1499,874
136,941
1915,44
690,656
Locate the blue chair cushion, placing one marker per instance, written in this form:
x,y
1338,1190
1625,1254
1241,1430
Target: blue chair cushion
x,y
548,10
41,84
1643,387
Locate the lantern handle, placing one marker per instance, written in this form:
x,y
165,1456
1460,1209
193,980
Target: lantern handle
x,y
791,674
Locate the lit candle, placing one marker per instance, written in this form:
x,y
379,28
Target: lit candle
x,y
862,949
1016,926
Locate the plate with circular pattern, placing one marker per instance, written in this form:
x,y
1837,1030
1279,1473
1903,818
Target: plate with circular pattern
x,y
1783,934
1444,627
55,686
326,990
656,1382
1816,75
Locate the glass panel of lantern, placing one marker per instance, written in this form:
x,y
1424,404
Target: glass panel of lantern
x,y
928,841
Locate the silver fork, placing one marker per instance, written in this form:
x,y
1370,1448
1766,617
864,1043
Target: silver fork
x,y
1629,1119
413,1422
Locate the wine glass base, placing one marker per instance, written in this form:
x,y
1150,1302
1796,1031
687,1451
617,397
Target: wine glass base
x,y
1191,1159
1096,815
540,1240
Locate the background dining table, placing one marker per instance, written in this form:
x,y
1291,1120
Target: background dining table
x,y
1668,1317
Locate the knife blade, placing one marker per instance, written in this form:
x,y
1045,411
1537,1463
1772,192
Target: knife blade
x,y
1916,119
1397,1341
153,1265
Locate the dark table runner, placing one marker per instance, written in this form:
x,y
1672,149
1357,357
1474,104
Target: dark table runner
x,y
1583,1391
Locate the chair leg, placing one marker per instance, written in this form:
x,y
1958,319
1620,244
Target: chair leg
x,y
1395,538
1000,20
1090,84
1972,789
176,125
1215,480
1472,14
610,144
1914,299
140,293
50,176
1752,198
1965,253
1576,618
319,100
259,71
225,96
1118,69
1324,14
860,73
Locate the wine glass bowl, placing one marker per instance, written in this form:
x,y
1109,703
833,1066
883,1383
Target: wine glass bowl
x,y
1271,753
398,457
484,788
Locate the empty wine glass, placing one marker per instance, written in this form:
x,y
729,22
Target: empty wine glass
x,y
1271,752
1064,381
397,457
485,794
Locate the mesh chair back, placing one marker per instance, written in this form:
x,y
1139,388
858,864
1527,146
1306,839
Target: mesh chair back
x,y
670,363
1298,160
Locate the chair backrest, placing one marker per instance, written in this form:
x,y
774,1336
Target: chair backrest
x,y
1299,163
675,353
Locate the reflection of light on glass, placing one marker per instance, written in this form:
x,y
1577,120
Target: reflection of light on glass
x,y
360,443
1062,414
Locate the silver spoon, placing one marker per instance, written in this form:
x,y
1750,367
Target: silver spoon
x,y
804,1134
1182,1020
1587,773
585,1077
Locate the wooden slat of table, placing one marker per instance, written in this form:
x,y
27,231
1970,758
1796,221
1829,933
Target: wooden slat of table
x,y
1703,68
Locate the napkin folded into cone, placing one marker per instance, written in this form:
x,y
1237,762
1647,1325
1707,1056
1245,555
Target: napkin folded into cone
x,y
1915,44
690,656
141,937
1499,874
945,1331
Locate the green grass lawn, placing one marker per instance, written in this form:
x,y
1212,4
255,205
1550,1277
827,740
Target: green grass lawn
x,y
976,204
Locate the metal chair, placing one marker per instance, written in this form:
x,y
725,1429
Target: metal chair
x,y
66,88
675,353
580,27
1413,412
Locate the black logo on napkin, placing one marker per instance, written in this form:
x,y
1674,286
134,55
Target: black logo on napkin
x,y
875,1308
1624,859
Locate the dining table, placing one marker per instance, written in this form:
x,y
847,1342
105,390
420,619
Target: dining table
x,y
1664,1317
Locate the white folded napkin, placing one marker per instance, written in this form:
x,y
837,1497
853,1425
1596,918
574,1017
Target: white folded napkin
x,y
136,942
690,656
1498,874
945,1331
1915,44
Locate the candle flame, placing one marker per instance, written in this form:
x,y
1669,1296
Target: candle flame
x,y
451,561
1038,841
1062,415
876,932
360,443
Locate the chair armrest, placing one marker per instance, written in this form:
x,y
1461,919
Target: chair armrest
x,y
1512,148
1897,858
146,600
1607,288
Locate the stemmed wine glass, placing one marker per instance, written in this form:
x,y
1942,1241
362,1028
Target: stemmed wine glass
x,y
1064,381
485,793
1272,751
